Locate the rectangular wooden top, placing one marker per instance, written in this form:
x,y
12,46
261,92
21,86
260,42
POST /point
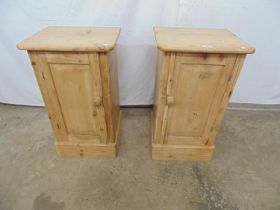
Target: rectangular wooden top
x,y
200,40
65,38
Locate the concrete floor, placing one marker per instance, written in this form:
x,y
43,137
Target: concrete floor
x,y
244,173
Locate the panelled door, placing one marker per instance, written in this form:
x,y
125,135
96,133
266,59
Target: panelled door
x,y
196,85
71,87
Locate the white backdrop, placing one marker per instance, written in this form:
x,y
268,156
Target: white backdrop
x,y
256,21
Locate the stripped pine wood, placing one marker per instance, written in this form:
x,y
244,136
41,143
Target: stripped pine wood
x,y
187,152
114,90
168,94
67,58
192,103
107,102
44,79
72,39
89,149
98,96
196,91
73,84
227,94
78,89
230,60
197,40
160,91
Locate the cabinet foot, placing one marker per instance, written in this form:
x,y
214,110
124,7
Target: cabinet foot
x,y
65,149
181,152
71,149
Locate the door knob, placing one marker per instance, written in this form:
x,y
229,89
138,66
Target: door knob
x,y
97,101
169,100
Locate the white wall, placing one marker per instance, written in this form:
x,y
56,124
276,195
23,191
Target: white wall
x,y
256,21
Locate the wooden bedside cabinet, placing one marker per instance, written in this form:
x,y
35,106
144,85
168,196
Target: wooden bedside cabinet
x,y
196,74
76,70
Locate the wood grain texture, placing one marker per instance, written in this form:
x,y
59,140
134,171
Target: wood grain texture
x,y
178,39
98,95
193,89
86,150
67,58
109,74
76,71
89,149
160,94
66,38
226,97
186,152
107,102
198,90
170,82
179,152
114,90
73,84
45,82
75,88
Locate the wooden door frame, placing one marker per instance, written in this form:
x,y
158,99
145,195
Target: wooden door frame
x,y
207,137
49,93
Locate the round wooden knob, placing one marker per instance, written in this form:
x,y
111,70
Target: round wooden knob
x,y
97,101
170,100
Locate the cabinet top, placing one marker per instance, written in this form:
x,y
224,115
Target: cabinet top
x,y
200,40
67,38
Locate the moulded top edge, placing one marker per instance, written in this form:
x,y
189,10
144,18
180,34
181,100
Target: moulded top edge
x,y
67,38
196,40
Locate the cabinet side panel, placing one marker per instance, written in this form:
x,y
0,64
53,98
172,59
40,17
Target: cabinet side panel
x,y
230,60
73,84
98,95
226,97
114,90
160,95
107,102
45,82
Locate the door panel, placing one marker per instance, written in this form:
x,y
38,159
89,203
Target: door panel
x,y
79,95
196,89
73,85
195,85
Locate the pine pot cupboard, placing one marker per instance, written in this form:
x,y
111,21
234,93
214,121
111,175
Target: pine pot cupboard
x,y
76,71
196,74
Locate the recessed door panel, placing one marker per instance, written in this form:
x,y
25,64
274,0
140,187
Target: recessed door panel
x,y
73,84
196,90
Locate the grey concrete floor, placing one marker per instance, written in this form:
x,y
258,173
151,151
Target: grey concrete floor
x,y
244,173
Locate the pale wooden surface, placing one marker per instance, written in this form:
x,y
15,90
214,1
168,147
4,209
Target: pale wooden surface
x,y
66,38
178,152
192,103
80,91
73,84
90,149
98,95
48,91
226,97
200,40
197,89
114,90
160,94
197,70
107,102
67,57
67,149
162,151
